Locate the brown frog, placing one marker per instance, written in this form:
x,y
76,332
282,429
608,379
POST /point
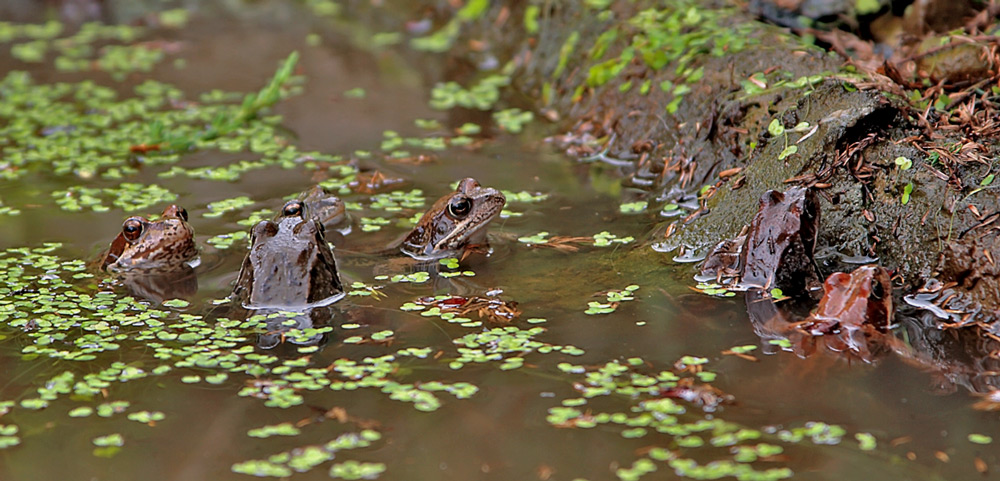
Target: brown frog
x,y
779,246
852,319
327,209
164,244
289,264
863,297
455,222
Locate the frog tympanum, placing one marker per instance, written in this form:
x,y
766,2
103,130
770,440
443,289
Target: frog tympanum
x,y
164,244
289,264
455,222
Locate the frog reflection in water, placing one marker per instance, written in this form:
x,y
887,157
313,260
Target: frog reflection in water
x,y
455,223
290,264
153,258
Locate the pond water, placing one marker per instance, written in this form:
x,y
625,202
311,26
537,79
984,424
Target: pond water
x,y
557,393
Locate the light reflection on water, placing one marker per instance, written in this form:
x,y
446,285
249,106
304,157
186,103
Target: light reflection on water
x,y
501,432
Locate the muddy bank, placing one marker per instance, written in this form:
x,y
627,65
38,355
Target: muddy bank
x,y
704,109
682,99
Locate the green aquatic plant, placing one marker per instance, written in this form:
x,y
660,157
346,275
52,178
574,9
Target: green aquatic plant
x,y
481,96
306,458
614,299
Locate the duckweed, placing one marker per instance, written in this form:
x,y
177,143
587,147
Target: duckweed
x,y
866,441
633,207
356,470
614,299
482,96
109,440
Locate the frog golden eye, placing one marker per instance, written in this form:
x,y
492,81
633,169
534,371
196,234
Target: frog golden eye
x,y
132,229
182,213
460,207
292,208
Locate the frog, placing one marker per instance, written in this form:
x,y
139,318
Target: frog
x,y
289,264
852,319
862,297
164,244
327,209
455,223
778,251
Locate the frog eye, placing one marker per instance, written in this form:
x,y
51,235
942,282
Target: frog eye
x,y
460,207
877,290
182,213
292,208
132,228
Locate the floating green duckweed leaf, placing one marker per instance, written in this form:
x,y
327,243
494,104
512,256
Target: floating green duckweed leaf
x,y
356,470
481,96
866,441
283,429
221,207
127,196
372,224
34,403
81,412
614,299
633,207
714,289
146,417
743,349
366,290
178,303
261,468
980,438
539,238
605,238
109,440
225,241
8,441
416,277
304,459
106,410
382,335
513,120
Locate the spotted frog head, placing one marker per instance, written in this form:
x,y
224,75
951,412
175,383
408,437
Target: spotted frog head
x,y
456,221
165,243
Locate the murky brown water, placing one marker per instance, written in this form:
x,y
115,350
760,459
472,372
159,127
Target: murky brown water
x,y
501,432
